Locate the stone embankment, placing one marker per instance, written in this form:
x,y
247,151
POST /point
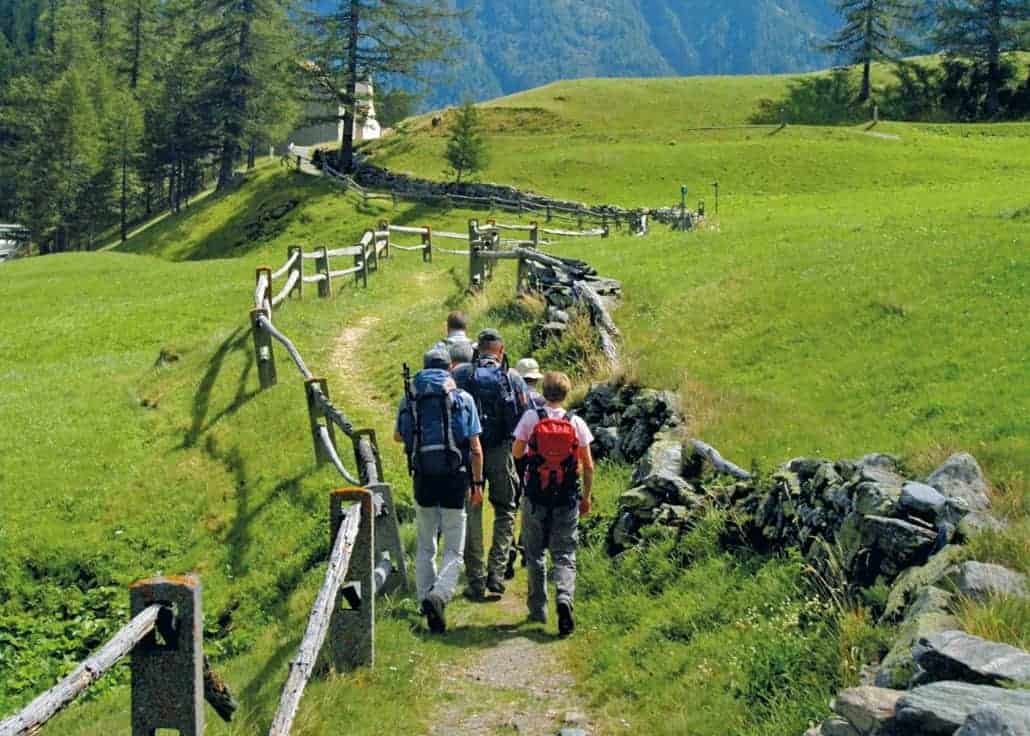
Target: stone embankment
x,y
865,524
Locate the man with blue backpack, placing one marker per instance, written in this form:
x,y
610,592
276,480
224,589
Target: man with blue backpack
x,y
501,396
439,426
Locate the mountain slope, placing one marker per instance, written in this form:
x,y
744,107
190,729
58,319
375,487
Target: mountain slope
x,y
512,47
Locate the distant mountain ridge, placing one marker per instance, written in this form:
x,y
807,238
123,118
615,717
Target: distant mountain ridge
x,y
513,46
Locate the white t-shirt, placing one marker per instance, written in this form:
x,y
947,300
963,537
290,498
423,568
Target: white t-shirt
x,y
524,430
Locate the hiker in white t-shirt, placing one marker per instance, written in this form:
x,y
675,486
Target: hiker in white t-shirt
x,y
558,482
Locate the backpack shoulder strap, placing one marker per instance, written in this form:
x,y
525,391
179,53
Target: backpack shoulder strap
x,y
541,413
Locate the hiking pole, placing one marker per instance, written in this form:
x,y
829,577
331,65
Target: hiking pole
x,y
410,408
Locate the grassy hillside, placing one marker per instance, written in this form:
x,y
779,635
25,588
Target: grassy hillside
x,y
859,290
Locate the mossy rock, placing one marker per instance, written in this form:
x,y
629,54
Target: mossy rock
x,y
915,578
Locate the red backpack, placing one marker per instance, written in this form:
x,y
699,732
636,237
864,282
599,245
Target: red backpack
x,y
552,471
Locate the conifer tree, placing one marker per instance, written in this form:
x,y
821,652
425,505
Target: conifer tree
x,y
466,149
870,34
984,30
371,39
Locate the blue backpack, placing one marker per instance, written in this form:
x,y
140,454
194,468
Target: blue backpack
x,y
496,399
432,448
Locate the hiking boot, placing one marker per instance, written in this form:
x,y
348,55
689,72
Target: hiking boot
x,y
537,617
566,623
433,607
494,585
474,593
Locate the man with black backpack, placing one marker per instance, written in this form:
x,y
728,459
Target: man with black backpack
x,y
559,478
501,397
439,426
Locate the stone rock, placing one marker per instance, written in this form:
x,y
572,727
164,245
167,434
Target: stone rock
x,y
670,488
837,727
876,499
606,443
911,581
547,332
639,498
996,721
899,665
980,580
602,400
574,718
976,523
893,545
635,442
805,467
956,655
814,731
623,532
923,500
930,600
961,477
572,732
868,709
879,468
943,707
558,315
665,455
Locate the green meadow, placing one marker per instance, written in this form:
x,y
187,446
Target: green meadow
x,y
860,289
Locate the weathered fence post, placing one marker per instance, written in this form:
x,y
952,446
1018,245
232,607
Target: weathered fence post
x,y
605,230
266,297
352,627
534,234
474,259
427,243
325,286
366,473
168,664
548,215
388,544
296,268
384,226
263,353
579,217
315,415
373,250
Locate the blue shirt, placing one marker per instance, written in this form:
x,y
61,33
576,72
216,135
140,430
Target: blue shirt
x,y
464,422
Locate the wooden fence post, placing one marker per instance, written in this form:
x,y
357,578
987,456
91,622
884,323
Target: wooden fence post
x,y
388,538
475,262
263,353
548,216
579,217
325,286
427,242
534,234
352,627
266,298
373,251
298,268
168,664
315,416
384,226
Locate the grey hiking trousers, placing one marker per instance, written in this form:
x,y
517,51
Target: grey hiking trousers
x,y
554,529
431,522
502,486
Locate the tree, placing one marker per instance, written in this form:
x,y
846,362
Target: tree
x,y
870,34
983,30
466,149
367,39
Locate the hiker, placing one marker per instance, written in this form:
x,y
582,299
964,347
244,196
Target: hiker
x,y
439,426
559,480
529,369
461,354
501,397
457,325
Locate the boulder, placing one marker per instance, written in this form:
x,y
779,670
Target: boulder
x,y
911,581
623,532
943,707
879,468
634,442
547,332
996,721
834,726
671,488
893,545
639,498
876,499
602,400
980,580
558,315
899,665
922,500
606,443
960,477
956,655
868,709
976,523
665,455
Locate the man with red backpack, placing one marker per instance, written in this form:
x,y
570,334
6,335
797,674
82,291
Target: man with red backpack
x,y
501,397
558,480
439,426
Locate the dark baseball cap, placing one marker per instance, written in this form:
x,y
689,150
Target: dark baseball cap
x,y
490,335
436,358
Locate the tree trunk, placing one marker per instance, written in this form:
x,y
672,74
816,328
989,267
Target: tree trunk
x,y
866,92
994,79
137,44
148,198
867,61
226,164
347,147
251,155
125,190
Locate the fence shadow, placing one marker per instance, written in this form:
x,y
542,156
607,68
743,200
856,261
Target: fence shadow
x,y
202,398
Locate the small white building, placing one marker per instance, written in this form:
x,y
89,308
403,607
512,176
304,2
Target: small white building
x,y
12,240
366,127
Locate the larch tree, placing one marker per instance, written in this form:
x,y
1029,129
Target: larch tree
x,y
371,39
466,150
870,34
983,31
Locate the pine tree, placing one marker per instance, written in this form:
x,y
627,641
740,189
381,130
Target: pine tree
x,y
870,34
983,30
367,39
466,149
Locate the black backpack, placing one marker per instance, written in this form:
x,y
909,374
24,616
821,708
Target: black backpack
x,y
496,399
